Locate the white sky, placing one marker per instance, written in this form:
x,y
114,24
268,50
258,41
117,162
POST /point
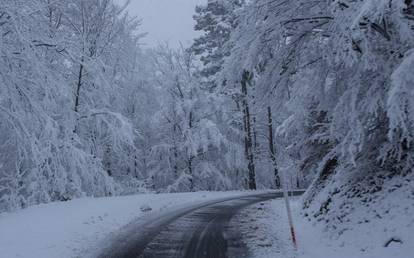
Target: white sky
x,y
166,20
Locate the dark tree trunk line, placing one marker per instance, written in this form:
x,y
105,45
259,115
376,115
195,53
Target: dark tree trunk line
x,y
79,85
191,157
77,93
175,150
272,148
248,139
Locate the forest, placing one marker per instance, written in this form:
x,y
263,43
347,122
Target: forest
x,y
316,95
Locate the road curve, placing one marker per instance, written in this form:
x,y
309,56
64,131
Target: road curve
x,y
193,232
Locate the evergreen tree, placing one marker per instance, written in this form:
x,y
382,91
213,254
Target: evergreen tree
x,y
216,20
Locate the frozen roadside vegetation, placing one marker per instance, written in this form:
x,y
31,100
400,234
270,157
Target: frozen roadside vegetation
x,y
268,233
77,228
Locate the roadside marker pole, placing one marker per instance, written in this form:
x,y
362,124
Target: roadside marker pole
x,y
289,212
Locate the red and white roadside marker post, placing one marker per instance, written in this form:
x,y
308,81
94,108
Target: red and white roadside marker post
x,y
289,212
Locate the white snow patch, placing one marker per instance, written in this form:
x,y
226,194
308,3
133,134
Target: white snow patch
x,y
271,236
75,228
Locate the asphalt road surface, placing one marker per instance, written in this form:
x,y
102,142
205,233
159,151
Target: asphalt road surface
x,y
194,232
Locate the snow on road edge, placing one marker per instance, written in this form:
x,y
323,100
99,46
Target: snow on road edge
x,y
268,236
74,228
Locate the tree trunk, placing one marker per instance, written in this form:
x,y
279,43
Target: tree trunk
x,y
175,151
272,148
77,93
78,87
190,172
190,158
136,166
108,163
247,77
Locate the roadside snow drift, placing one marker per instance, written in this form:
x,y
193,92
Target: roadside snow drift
x,y
391,236
77,228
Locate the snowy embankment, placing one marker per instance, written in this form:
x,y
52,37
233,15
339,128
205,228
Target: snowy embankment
x,y
385,237
77,228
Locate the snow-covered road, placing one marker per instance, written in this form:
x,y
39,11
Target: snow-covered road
x,y
84,227
200,230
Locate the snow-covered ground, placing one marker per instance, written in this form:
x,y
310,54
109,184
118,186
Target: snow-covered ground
x,y
268,235
77,228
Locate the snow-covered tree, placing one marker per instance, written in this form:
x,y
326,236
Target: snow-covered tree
x,y
335,77
55,134
215,21
190,137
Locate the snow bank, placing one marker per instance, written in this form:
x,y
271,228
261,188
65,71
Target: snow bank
x,y
76,228
378,238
